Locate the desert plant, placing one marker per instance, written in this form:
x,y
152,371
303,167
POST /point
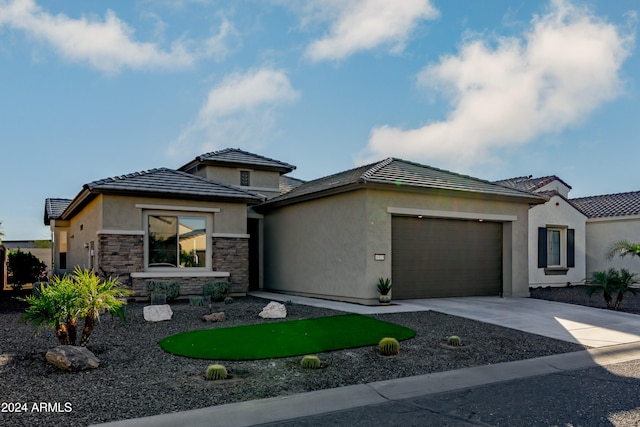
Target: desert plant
x,y
454,341
216,372
605,282
68,298
58,306
384,286
229,300
217,290
197,301
170,289
23,268
389,346
310,362
37,288
625,280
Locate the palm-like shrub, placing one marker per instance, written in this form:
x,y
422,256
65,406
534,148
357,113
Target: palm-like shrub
x,y
623,248
66,299
625,280
604,282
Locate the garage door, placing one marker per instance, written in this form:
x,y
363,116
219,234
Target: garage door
x,y
444,258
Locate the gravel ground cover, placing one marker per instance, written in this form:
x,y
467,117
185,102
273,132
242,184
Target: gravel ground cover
x,y
137,378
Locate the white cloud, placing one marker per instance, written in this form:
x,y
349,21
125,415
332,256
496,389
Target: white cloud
x,y
365,24
240,111
107,45
563,68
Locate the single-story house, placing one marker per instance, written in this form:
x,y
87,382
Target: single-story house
x,y
557,236
434,233
159,224
610,218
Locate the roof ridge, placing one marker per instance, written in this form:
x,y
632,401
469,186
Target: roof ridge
x,y
606,195
376,167
205,156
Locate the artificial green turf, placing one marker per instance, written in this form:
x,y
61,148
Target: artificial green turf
x,y
284,339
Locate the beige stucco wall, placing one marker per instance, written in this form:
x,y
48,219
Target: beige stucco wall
x,y
601,233
327,246
264,182
82,230
557,212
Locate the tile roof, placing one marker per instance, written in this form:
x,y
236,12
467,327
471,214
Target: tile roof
x,y
401,173
236,157
609,205
165,182
288,183
53,208
528,183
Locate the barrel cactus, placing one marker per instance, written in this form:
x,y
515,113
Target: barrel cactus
x,y
454,341
216,372
310,362
389,346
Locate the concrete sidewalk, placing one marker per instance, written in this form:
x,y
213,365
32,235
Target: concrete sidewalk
x,y
315,403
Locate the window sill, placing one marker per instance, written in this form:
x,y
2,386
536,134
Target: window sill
x,y
556,271
178,273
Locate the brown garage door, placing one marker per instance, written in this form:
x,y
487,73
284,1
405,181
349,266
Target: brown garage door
x,y
435,257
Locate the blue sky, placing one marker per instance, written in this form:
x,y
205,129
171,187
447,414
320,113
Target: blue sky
x,y
494,89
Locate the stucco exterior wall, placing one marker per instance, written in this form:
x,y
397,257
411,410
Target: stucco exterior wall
x,y
557,212
326,247
83,229
264,182
318,248
601,233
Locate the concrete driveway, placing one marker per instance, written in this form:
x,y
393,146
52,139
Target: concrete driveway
x,y
589,326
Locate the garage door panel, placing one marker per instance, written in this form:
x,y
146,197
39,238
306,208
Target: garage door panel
x,y
441,257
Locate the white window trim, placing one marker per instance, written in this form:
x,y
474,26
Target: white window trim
x,y
179,271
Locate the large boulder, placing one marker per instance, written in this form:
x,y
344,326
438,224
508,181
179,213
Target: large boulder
x,y
72,358
157,313
274,310
215,317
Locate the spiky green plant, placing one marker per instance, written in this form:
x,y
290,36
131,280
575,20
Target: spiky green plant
x,y
605,282
384,286
454,341
310,362
625,280
389,346
623,248
217,290
216,372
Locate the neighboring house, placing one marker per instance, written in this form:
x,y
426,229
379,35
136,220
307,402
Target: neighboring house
x,y
433,232
557,243
611,218
159,224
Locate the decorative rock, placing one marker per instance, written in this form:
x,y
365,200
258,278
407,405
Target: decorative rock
x,y
215,317
72,358
274,310
157,313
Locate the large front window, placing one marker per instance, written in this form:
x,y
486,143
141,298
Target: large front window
x,y
177,241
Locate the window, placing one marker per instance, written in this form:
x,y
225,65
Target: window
x,y
62,250
244,178
177,241
556,249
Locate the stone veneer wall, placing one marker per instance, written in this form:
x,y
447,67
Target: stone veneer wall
x,y
119,255
231,254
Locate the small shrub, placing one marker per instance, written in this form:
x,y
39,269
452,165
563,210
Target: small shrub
x,y
454,341
310,362
288,303
158,298
216,372
170,289
197,301
229,300
23,268
389,346
217,291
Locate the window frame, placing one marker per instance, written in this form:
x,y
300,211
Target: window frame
x,y
208,217
566,249
245,173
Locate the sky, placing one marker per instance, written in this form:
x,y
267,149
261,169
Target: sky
x,y
494,89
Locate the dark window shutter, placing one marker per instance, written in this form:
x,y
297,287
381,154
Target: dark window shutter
x,y
571,247
542,247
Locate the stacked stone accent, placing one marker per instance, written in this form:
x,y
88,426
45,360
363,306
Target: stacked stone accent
x,y
231,254
119,255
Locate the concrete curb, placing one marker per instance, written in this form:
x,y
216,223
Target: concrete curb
x,y
276,409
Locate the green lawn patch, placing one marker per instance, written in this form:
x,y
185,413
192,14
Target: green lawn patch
x,y
284,339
